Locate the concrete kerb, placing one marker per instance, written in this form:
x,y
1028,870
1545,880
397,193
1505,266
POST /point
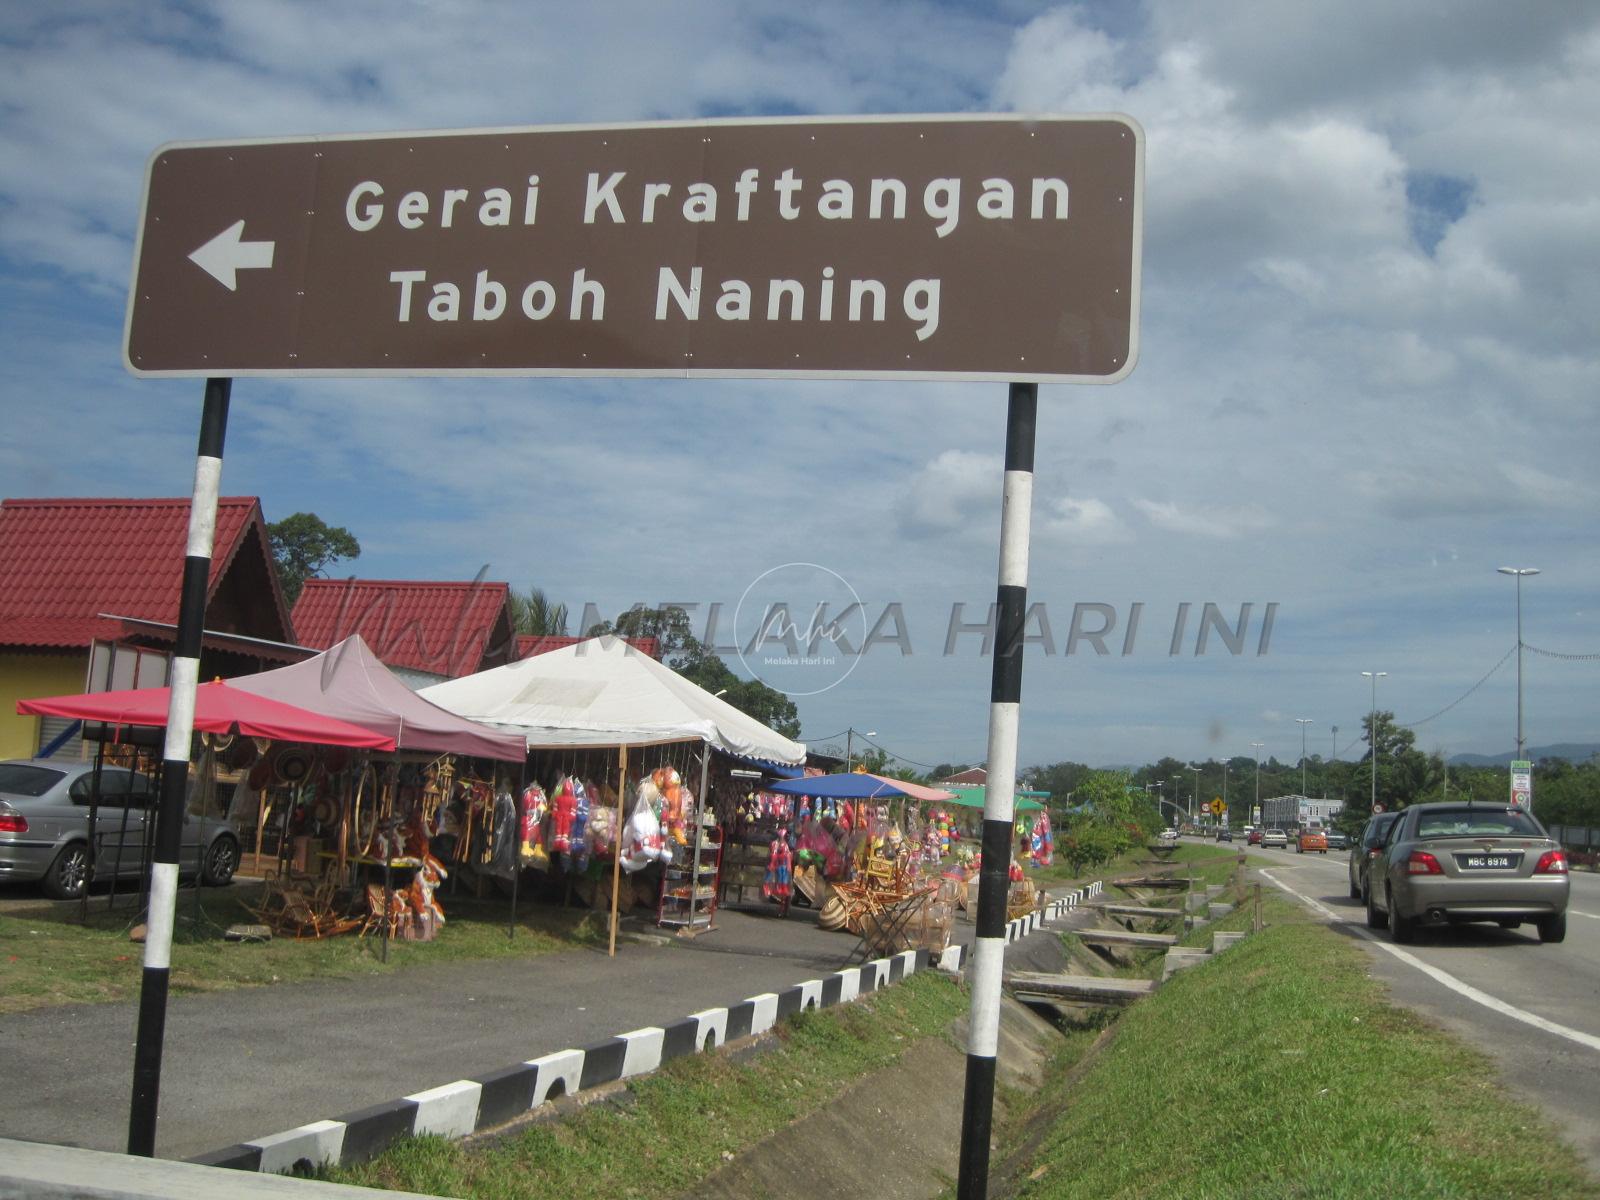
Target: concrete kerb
x,y
466,1106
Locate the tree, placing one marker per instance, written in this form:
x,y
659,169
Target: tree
x,y
696,662
1114,818
532,612
1402,774
302,545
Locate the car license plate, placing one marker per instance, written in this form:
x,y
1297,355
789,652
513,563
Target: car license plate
x,y
1489,862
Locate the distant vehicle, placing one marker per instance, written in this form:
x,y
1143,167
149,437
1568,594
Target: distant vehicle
x,y
1254,837
1311,840
1169,835
1275,837
1447,864
1337,840
1224,834
1368,843
44,828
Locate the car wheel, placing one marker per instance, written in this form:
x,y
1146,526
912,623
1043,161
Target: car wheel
x,y
222,860
1374,921
1401,929
69,874
1355,892
1552,929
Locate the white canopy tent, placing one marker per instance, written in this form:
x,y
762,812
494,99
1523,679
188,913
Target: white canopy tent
x,y
603,692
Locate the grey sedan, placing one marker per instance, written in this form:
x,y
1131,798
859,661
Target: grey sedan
x,y
1368,844
1444,864
44,828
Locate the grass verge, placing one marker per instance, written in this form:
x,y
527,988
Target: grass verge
x,y
1280,1070
676,1126
49,958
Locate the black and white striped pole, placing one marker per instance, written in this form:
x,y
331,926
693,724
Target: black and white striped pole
x,y
175,772
1005,707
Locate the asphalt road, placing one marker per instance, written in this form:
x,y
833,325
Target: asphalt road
x,y
1532,1008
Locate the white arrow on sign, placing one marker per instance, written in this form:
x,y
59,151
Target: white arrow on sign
x,y
226,253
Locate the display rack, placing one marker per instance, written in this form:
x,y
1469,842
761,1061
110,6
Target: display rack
x,y
689,894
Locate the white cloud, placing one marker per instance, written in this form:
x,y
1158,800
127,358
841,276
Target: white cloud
x,y
1208,522
1330,411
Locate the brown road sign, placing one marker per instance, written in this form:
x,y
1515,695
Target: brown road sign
x,y
980,247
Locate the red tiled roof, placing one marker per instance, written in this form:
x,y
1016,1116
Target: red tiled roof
x,y
450,629
529,644
62,562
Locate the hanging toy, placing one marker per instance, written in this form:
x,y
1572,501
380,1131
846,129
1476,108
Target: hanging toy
x,y
779,862
805,809
530,841
670,786
563,808
578,856
642,841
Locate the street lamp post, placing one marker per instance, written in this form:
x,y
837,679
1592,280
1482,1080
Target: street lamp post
x,y
1303,722
1372,733
1257,746
849,740
1194,805
1519,572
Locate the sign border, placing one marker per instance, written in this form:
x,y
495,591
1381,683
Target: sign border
x,y
1134,297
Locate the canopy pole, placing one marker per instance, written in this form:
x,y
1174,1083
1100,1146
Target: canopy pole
x,y
616,861
699,835
175,771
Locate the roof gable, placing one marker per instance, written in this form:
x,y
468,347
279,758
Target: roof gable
x,y
64,562
450,629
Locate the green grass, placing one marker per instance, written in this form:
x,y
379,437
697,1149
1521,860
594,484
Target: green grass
x,y
676,1125
1279,1070
48,958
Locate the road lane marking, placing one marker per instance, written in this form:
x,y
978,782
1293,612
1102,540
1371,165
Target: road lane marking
x,y
1591,916
1444,977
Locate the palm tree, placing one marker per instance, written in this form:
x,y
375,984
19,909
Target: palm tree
x,y
532,612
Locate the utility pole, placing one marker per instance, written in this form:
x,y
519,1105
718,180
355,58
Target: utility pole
x,y
1372,734
1519,572
1257,746
1303,722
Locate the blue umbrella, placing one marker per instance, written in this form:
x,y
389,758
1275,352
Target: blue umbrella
x,y
851,786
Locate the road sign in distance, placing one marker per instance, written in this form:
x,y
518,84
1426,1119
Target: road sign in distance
x,y
979,247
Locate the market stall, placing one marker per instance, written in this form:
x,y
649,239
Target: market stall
x,y
225,717
445,801
583,711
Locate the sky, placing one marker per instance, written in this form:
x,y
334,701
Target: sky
x,y
1366,379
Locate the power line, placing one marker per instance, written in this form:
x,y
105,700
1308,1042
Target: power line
x,y
1564,657
1464,695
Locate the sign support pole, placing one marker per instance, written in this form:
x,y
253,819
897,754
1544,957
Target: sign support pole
x,y
1005,708
175,771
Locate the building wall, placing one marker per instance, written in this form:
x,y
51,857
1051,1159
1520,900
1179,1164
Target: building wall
x,y
24,676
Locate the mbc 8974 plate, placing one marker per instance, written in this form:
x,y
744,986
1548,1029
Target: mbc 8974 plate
x,y
1489,862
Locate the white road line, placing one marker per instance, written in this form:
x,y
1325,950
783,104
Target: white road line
x,y
1591,916
1444,977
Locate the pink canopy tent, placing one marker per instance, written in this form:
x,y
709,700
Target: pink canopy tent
x,y
219,708
348,682
916,791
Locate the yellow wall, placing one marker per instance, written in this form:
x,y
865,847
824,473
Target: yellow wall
x,y
24,676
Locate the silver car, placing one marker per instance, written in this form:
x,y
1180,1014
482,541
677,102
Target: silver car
x,y
1444,864
44,828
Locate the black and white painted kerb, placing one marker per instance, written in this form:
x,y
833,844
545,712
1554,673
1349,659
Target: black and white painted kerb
x,y
175,772
467,1106
1005,709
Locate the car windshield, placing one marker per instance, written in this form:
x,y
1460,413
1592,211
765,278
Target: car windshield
x,y
21,779
1477,822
